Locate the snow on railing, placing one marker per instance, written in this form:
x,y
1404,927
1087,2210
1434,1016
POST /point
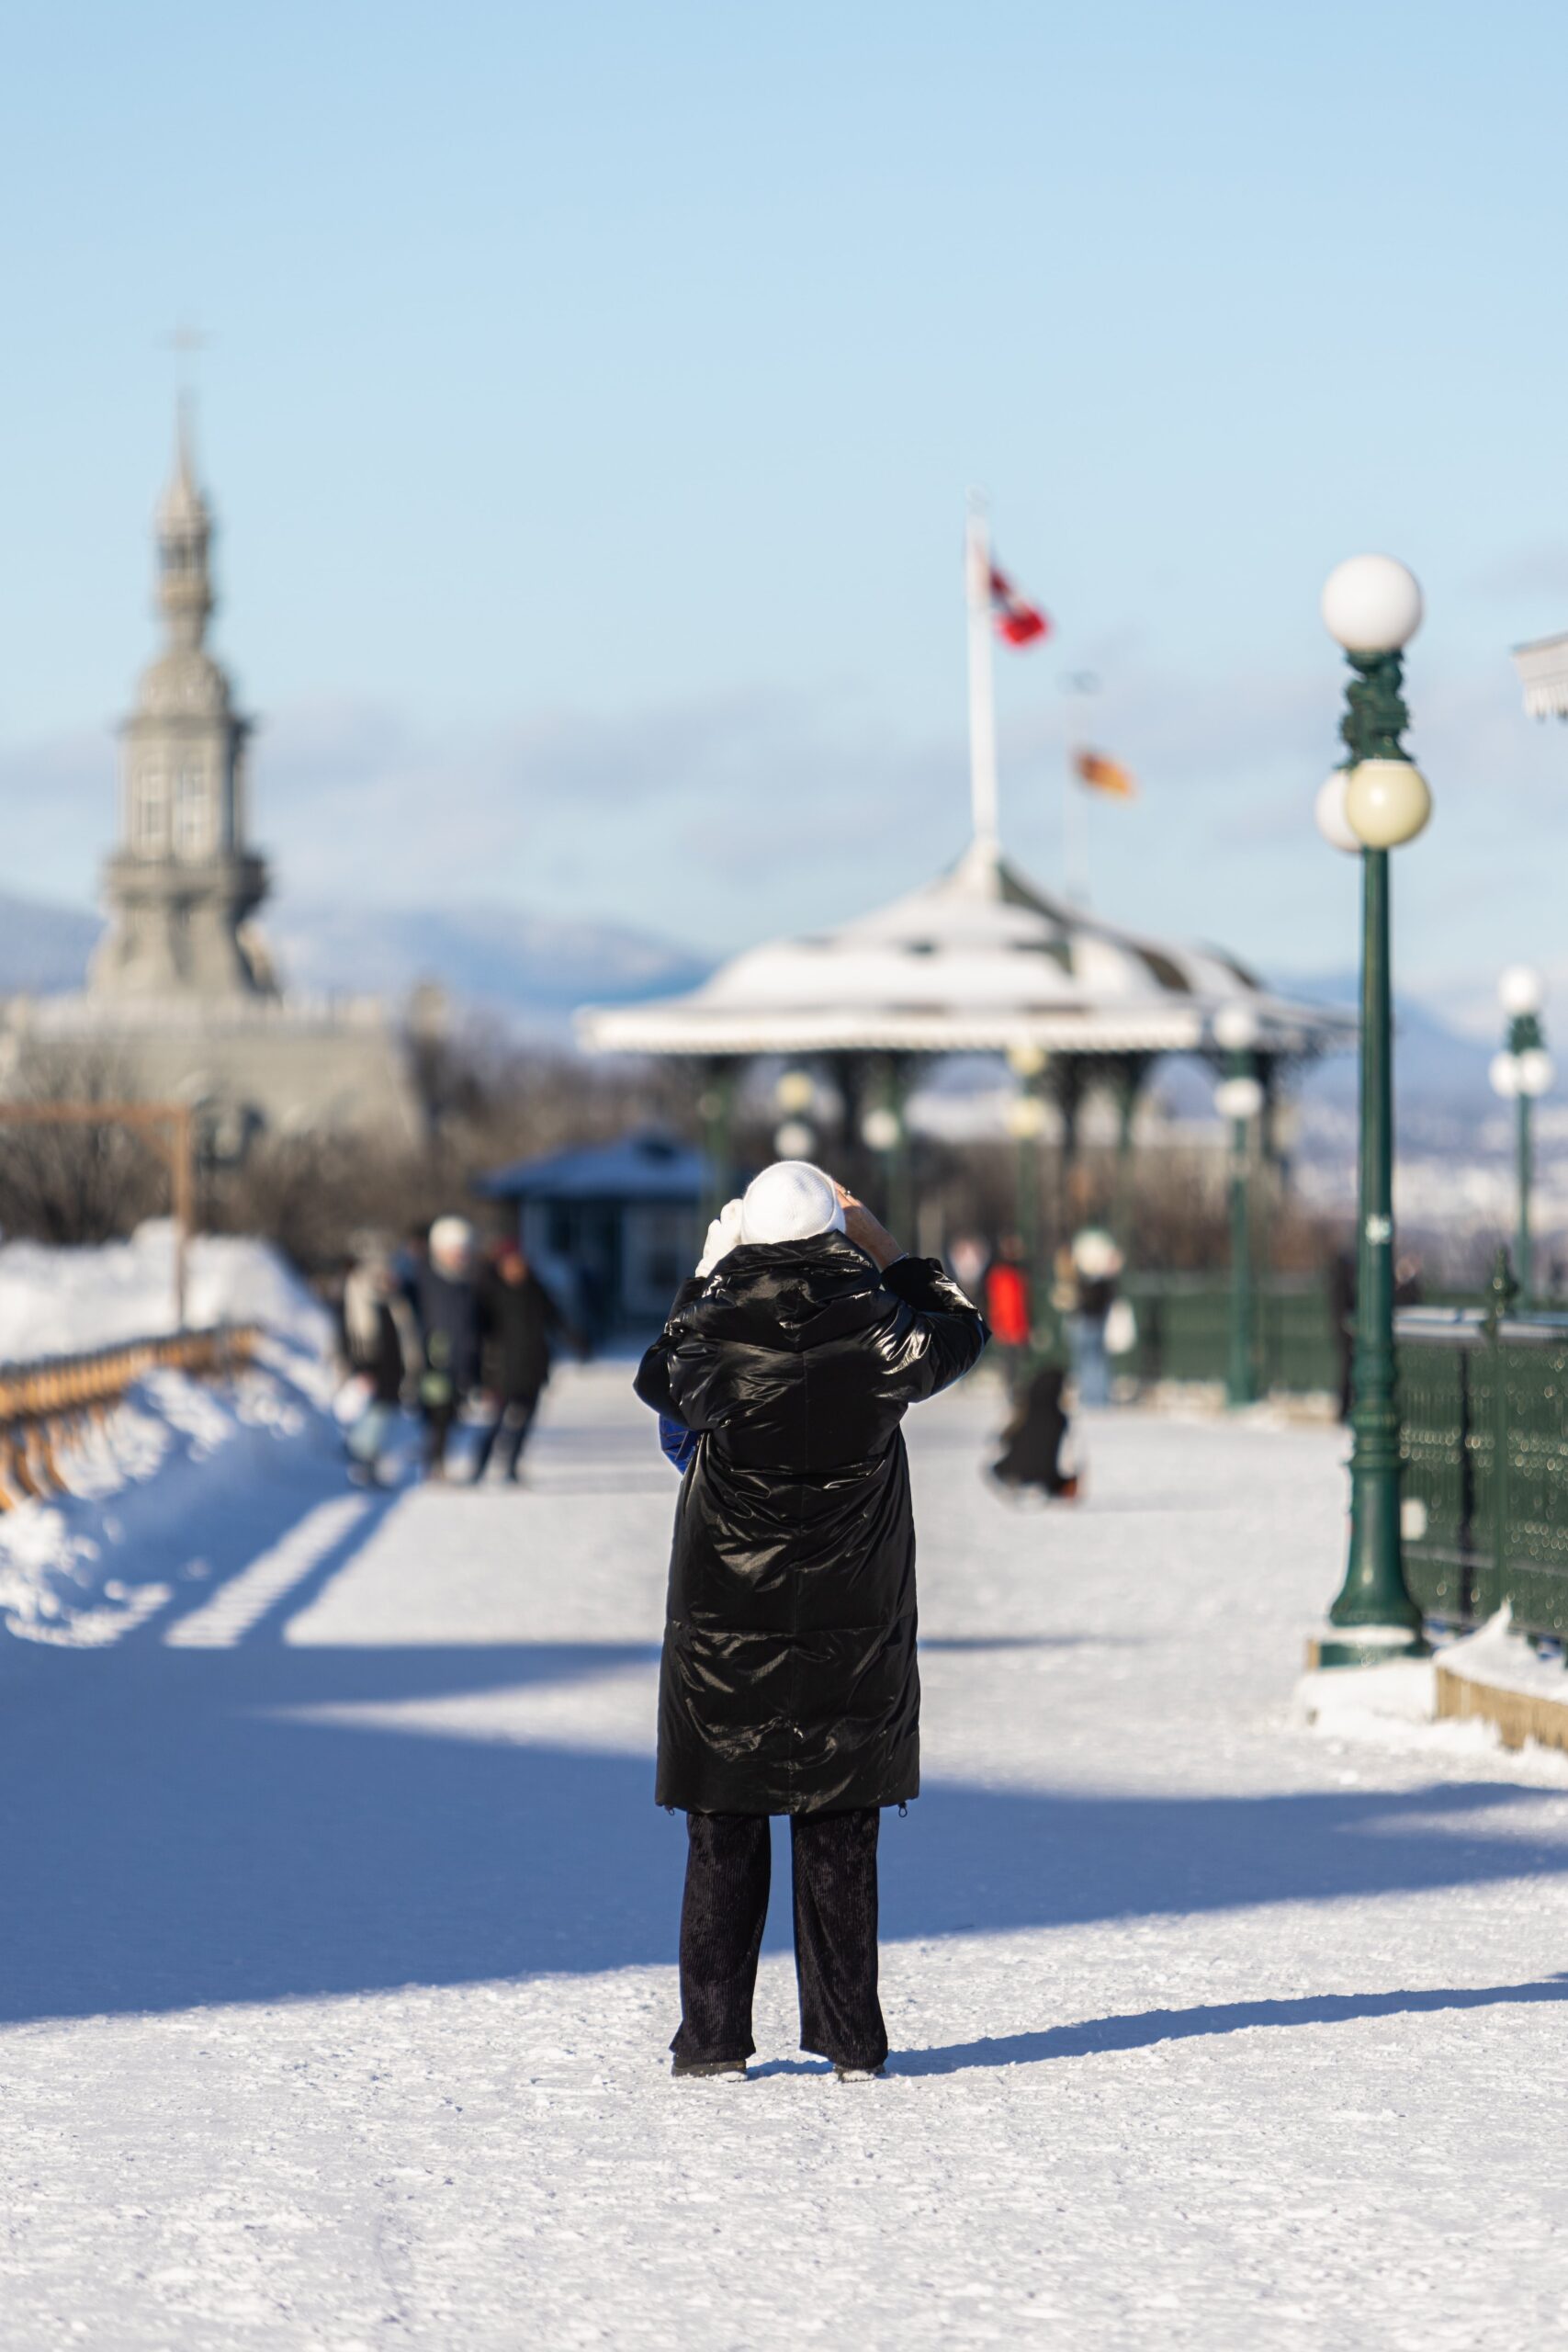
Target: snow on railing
x,y
45,1404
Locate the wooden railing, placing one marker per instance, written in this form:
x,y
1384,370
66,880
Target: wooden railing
x,y
45,1405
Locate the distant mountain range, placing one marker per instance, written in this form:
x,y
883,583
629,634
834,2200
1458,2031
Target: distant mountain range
x,y
533,970
44,948
1442,1089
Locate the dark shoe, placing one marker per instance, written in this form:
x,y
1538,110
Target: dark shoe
x,y
859,2073
688,2069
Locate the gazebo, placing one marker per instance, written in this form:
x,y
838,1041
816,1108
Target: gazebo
x,y
980,961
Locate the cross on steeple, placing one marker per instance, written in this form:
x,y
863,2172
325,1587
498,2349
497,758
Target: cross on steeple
x,y
186,340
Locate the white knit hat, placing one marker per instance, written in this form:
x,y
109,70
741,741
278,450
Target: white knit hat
x,y
790,1201
451,1239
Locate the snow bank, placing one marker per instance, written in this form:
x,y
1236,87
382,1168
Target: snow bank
x,y
60,1302
1394,1707
181,1483
1496,1654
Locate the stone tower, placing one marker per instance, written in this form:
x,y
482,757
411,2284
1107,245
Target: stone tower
x,y
183,883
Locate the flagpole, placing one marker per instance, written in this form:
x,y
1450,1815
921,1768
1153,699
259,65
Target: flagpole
x,y
982,688
1075,837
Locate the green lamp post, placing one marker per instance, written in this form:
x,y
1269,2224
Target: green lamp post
x,y
1375,803
1520,1072
1238,1098
1026,1125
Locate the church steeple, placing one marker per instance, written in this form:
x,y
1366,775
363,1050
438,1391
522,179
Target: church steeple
x,y
184,882
185,539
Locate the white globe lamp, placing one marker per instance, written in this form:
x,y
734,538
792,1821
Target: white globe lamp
x,y
1329,810
1236,1028
1536,1070
1521,991
1238,1098
1371,605
794,1140
880,1129
1026,1117
1504,1072
1387,802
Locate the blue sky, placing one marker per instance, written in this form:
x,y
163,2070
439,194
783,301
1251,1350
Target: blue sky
x,y
593,391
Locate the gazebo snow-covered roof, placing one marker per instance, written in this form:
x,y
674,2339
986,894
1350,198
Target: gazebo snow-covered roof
x,y
978,961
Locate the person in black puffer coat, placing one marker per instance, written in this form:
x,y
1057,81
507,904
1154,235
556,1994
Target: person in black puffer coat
x,y
789,1682
520,1319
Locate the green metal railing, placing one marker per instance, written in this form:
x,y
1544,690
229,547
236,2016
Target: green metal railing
x,y
1484,1398
1184,1329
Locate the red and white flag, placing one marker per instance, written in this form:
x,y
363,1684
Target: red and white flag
x,y
1015,621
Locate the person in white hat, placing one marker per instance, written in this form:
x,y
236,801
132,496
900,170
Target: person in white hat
x,y
788,1683
447,1304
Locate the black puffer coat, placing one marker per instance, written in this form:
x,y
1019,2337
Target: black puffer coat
x,y
789,1682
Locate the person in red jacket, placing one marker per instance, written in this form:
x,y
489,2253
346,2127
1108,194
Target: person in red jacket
x,y
1008,1306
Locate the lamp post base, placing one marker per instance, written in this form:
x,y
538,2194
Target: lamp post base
x,y
1336,1645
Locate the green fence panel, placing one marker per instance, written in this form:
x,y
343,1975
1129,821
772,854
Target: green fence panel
x,y
1184,1330
1484,1404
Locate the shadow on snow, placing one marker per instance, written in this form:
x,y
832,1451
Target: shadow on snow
x,y
173,1836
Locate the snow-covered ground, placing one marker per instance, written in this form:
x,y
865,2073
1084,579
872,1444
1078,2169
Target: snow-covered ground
x,y
338,1924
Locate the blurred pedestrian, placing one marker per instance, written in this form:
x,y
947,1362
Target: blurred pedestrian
x,y
1009,1304
1037,1451
520,1319
449,1334
789,1683
1097,1263
380,1345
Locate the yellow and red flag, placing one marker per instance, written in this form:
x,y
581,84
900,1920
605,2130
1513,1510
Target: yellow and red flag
x,y
1105,775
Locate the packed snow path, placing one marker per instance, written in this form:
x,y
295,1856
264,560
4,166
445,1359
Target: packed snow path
x,y
339,1923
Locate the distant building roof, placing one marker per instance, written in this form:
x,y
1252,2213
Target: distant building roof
x,y
1542,666
648,1165
980,960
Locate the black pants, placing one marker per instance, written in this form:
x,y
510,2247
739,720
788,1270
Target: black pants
x,y
507,1435
438,1423
728,1861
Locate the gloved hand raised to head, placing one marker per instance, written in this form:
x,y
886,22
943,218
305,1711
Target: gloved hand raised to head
x,y
723,1235
793,1201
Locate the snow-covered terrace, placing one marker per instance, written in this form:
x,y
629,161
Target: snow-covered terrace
x,y
339,1923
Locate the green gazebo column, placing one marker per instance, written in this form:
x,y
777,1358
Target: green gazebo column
x,y
1066,1085
852,1079
715,1107
1128,1074
885,1134
901,1158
